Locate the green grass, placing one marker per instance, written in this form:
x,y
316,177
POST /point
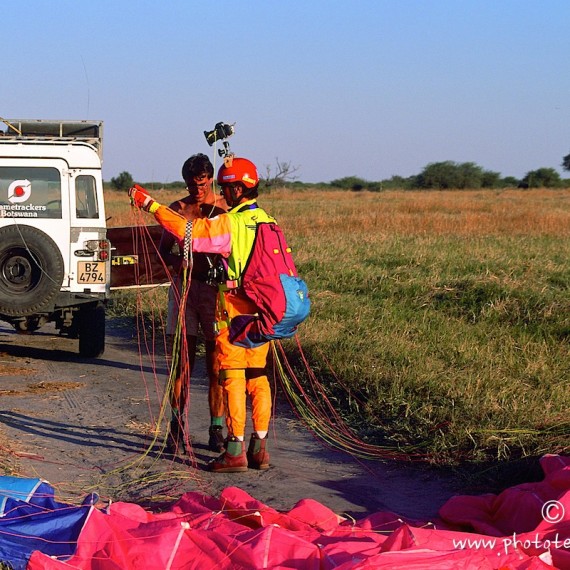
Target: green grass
x,y
448,314
462,357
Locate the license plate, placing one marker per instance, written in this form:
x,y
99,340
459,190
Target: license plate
x,y
90,272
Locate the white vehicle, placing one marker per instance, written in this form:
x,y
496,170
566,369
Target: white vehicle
x,y
55,258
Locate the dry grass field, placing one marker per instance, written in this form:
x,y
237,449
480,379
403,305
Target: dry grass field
x,y
446,312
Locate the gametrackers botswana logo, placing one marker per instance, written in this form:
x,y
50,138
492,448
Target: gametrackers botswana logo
x,y
19,191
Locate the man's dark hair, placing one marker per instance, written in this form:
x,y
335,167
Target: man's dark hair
x,y
196,165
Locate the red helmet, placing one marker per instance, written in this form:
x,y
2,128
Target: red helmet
x,y
239,170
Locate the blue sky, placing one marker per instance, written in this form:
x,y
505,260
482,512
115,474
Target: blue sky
x,y
370,88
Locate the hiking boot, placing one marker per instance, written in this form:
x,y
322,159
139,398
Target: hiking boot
x,y
257,454
175,438
216,442
233,460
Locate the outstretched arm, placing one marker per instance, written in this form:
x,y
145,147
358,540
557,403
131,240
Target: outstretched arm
x,y
208,235
170,220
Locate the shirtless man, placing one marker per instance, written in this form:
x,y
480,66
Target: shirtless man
x,y
202,202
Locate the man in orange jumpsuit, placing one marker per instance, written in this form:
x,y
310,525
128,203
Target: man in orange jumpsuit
x,y
242,370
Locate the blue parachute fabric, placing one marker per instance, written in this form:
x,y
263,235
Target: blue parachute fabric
x,y
18,492
32,520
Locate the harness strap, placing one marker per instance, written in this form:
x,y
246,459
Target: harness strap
x,y
187,259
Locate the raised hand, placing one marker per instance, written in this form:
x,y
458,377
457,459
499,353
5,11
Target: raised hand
x,y
141,198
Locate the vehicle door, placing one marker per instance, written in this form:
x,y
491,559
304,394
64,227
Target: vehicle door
x,y
89,254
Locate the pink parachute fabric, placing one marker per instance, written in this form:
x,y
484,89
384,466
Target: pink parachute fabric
x,y
509,531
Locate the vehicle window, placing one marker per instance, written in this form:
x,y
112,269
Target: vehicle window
x,y
86,197
30,192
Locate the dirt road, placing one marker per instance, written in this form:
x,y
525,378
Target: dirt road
x,y
87,426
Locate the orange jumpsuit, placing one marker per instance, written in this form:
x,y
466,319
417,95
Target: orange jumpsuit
x,y
241,369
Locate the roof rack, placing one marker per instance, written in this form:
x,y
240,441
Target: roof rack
x,y
39,130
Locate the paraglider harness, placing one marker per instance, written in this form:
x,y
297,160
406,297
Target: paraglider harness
x,y
270,281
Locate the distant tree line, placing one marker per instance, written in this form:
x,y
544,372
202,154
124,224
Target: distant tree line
x,y
435,176
449,174
125,180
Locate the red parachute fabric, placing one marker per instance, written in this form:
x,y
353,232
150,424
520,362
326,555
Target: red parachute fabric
x,y
509,531
517,509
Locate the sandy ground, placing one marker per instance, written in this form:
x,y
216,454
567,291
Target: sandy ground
x,y
87,426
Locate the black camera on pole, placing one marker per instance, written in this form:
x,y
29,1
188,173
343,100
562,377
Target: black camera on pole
x,y
220,132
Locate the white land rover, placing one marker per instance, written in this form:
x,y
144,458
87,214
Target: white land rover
x,y
55,258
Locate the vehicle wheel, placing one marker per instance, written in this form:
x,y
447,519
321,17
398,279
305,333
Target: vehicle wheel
x,y
91,330
31,270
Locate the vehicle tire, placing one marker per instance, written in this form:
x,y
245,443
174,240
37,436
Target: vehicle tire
x,y
91,330
31,270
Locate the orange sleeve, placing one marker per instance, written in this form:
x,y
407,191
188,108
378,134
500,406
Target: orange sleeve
x,y
171,221
209,235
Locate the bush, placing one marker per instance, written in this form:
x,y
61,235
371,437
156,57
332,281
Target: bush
x,y
122,182
542,178
509,182
349,183
449,174
356,184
